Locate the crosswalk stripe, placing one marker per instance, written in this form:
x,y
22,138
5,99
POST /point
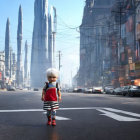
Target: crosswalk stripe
x,y
117,117
110,112
124,112
41,110
21,110
59,118
80,108
62,118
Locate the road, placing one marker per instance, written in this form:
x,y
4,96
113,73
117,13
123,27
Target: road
x,y
80,117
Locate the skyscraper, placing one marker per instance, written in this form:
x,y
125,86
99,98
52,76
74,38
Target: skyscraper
x,y
39,54
43,42
26,61
51,36
7,49
19,76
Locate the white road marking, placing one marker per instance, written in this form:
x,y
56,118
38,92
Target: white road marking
x,y
109,112
21,110
41,110
59,118
117,117
81,108
124,112
62,118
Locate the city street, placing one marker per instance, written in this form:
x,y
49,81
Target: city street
x,y
80,117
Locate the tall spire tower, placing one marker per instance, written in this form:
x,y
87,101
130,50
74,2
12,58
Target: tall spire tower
x,y
52,21
39,53
7,49
26,61
50,38
19,76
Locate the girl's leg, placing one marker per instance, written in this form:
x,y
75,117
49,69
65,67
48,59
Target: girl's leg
x,y
53,114
53,117
49,117
48,113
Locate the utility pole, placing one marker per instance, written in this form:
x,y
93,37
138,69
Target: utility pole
x,y
59,55
60,60
120,20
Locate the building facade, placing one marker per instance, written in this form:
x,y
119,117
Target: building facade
x,y
109,43
93,42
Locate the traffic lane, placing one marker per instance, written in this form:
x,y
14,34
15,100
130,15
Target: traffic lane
x,y
31,100
25,126
69,101
84,124
91,100
20,100
89,124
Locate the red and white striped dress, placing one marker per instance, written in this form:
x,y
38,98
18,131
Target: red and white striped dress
x,y
51,99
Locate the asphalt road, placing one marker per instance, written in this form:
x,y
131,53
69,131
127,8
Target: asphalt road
x,y
81,117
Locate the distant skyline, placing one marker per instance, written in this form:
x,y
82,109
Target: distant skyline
x,y
69,13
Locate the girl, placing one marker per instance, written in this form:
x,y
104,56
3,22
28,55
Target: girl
x,y
49,96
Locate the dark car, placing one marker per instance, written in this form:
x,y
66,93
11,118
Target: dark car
x,y
134,90
125,90
80,90
11,88
36,89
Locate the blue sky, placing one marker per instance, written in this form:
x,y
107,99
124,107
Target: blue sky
x,y
67,40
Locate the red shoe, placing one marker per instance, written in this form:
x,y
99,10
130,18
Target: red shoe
x,y
53,122
49,120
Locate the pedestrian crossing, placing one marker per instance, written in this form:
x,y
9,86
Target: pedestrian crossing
x,y
112,113
116,114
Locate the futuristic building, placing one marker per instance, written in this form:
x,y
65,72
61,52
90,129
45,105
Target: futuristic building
x,y
43,40
7,49
19,75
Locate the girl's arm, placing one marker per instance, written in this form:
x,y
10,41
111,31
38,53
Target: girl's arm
x,y
59,95
43,95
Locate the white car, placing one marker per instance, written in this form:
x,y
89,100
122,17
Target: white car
x,y
97,90
88,90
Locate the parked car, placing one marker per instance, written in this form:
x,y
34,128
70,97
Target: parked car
x,y
108,89
80,90
134,90
97,90
75,89
118,91
125,90
88,90
36,89
69,90
11,88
